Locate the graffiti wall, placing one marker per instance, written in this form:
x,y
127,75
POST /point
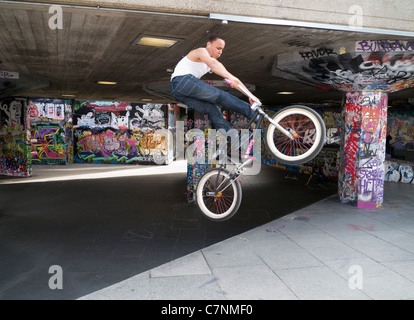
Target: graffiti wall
x,y
51,131
15,155
121,132
400,128
361,171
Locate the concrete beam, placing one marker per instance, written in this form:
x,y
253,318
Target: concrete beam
x,y
387,14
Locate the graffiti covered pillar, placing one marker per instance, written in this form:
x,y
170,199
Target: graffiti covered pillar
x,y
366,72
15,149
196,150
362,153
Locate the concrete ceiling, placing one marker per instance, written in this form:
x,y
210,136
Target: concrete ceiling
x,y
98,44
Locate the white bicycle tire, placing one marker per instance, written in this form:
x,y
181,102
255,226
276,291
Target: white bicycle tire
x,y
320,132
235,185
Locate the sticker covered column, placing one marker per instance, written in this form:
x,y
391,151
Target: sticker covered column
x,y
15,156
361,177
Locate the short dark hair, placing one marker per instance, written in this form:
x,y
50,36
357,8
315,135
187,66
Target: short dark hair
x,y
214,36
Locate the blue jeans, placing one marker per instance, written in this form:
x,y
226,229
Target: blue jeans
x,y
205,98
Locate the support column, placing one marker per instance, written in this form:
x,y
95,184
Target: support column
x,y
15,147
362,153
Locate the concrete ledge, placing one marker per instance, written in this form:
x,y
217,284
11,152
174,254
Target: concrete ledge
x,y
390,16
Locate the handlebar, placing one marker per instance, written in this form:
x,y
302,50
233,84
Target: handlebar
x,y
246,92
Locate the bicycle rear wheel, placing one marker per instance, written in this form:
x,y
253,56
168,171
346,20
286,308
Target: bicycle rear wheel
x,y
308,130
218,197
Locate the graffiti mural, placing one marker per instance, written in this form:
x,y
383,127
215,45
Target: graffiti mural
x,y
120,146
361,171
51,131
122,132
15,155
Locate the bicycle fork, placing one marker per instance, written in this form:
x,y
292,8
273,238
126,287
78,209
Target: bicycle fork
x,y
234,174
218,191
290,133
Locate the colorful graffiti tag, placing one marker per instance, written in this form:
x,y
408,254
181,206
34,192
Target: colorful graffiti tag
x,y
15,156
48,143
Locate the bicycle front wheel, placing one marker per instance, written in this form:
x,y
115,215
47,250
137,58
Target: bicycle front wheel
x,y
218,196
307,128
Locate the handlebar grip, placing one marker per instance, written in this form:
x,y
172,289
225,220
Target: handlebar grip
x,y
247,93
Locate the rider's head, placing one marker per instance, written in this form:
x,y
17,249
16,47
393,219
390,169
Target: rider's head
x,y
215,46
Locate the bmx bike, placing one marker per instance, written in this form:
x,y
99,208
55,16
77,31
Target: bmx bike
x,y
294,135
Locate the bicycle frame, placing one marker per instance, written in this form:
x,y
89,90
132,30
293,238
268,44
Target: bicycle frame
x,y
256,106
239,167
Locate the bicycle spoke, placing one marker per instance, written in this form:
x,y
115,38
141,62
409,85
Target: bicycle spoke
x,y
301,126
220,202
306,136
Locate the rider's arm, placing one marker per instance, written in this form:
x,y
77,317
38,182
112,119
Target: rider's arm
x,y
218,68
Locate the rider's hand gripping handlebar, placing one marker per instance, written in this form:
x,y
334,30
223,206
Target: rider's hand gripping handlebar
x,y
246,92
256,105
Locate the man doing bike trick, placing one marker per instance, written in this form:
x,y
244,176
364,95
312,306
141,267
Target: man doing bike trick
x,y
186,86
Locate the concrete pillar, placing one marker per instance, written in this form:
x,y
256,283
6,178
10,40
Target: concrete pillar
x,y
362,153
15,147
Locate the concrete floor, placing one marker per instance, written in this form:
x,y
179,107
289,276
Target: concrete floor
x,y
326,251
103,224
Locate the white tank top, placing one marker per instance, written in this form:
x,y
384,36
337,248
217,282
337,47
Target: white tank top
x,y
187,66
